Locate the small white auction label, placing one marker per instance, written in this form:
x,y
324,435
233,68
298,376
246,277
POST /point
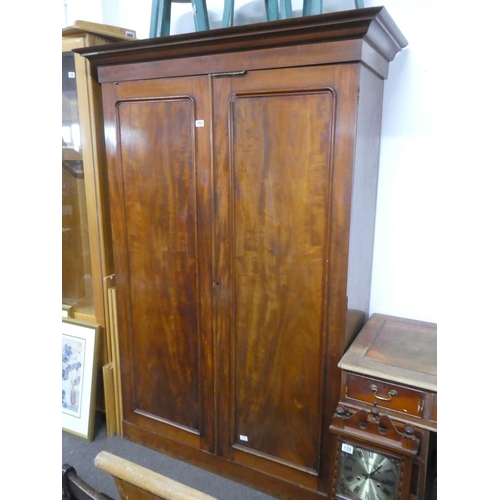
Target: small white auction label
x,y
347,448
200,123
243,438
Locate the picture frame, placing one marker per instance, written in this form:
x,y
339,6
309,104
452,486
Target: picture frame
x,y
80,341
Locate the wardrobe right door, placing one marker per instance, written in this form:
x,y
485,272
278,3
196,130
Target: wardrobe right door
x,y
282,167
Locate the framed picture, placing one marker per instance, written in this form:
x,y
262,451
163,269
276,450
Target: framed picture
x,y
80,340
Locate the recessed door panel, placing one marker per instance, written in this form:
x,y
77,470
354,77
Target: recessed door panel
x,y
281,172
160,205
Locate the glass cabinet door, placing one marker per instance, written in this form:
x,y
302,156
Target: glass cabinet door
x,y
87,257
77,289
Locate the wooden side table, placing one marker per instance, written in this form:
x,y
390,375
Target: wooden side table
x,y
386,423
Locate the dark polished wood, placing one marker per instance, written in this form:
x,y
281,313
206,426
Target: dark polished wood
x,y
243,170
275,316
373,428
396,397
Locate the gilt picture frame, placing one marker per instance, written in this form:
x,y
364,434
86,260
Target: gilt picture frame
x,y
80,340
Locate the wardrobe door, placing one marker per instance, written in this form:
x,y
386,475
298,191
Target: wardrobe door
x,y
159,171
282,177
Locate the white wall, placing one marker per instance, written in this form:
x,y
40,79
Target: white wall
x,y
405,267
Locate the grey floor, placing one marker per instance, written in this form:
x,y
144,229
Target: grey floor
x,y
80,454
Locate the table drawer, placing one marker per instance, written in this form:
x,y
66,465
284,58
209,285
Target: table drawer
x,y
386,394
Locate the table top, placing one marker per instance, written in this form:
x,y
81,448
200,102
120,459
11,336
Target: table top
x,y
112,32
396,349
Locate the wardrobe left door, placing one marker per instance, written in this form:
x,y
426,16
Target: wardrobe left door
x,y
159,169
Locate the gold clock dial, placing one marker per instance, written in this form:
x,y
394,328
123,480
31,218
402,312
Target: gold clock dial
x,y
365,474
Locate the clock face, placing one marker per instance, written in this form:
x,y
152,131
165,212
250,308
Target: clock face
x,y
366,474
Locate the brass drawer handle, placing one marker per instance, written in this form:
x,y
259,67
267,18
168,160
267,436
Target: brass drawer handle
x,y
392,393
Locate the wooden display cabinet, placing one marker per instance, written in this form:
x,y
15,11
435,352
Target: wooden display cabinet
x,y
242,169
87,260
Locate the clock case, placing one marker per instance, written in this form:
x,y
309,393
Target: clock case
x,y
377,433
343,486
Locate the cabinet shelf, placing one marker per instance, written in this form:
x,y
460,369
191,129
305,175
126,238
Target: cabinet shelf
x,y
69,154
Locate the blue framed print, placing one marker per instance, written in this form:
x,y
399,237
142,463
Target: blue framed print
x,y
79,375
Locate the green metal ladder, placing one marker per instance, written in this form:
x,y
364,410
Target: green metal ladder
x,y
161,11
310,8
275,9
313,7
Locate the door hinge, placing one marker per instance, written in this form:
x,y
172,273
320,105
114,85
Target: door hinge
x,y
228,73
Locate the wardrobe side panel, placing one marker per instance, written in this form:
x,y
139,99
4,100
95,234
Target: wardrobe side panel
x,y
364,197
